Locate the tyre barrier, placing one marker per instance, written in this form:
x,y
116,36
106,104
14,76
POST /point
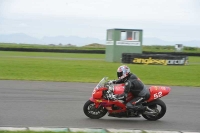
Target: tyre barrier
x,y
154,59
54,50
92,51
87,130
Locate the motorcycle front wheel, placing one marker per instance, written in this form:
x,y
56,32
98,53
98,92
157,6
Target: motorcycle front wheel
x,y
157,106
92,112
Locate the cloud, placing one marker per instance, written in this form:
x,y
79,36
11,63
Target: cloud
x,y
166,19
162,10
22,25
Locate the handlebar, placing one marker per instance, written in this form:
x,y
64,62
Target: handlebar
x,y
110,86
110,90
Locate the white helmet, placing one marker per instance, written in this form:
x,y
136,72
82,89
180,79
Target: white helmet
x,y
123,71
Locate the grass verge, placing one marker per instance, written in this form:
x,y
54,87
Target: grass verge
x,y
36,132
15,67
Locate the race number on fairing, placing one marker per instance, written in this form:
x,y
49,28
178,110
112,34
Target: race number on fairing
x,y
158,95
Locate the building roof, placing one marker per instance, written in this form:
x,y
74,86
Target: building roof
x,y
125,29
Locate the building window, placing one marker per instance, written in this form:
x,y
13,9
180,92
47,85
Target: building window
x,y
135,35
110,35
130,35
123,35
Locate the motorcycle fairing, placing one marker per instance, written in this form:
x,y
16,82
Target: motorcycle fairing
x,y
158,92
155,93
119,89
108,105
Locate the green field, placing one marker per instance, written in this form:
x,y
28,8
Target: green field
x,y
37,132
90,68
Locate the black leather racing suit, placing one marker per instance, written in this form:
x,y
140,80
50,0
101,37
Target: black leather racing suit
x,y
134,85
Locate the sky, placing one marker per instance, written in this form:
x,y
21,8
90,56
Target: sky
x,y
170,20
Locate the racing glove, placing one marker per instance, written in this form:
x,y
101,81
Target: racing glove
x,y
114,81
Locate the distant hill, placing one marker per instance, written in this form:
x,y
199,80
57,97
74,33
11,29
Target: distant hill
x,y
18,38
23,38
75,40
79,41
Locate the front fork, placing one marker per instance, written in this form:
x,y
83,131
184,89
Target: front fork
x,y
108,105
95,102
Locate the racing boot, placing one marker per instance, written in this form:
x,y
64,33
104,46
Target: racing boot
x,y
137,105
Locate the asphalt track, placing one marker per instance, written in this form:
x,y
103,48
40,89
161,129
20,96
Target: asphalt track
x,y
60,104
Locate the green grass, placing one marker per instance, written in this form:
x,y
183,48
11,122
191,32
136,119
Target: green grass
x,y
36,132
194,59
53,69
45,132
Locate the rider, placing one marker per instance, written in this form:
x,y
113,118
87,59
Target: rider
x,y
134,85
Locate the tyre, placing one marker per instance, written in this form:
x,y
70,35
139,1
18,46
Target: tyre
x,y
92,112
157,106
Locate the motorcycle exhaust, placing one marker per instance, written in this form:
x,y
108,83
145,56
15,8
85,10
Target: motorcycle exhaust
x,y
150,113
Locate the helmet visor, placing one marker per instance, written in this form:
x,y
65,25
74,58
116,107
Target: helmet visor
x,y
119,74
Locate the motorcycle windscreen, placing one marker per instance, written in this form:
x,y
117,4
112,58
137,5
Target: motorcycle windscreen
x,y
158,92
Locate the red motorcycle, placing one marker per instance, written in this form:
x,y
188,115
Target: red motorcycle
x,y
103,101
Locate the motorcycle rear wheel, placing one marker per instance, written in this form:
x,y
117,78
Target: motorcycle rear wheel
x,y
92,112
154,106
